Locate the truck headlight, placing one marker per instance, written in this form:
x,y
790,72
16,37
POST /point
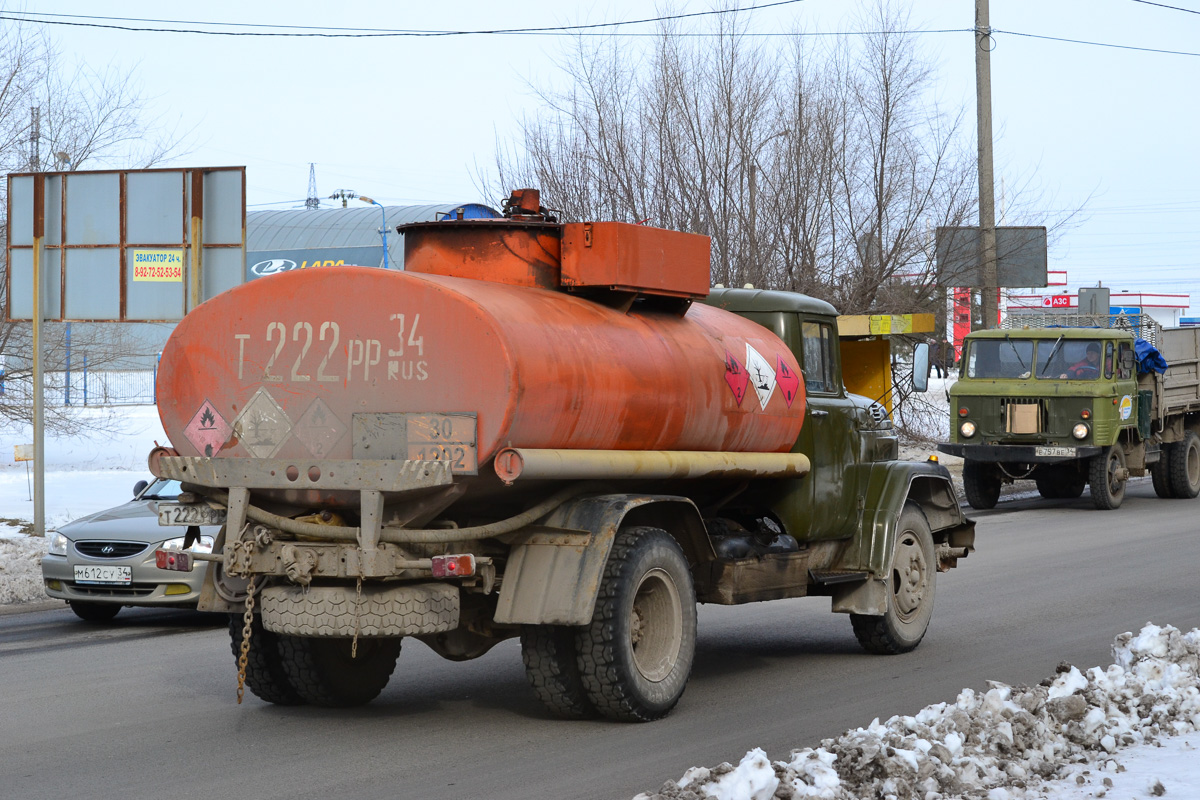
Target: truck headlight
x,y
1080,431
967,429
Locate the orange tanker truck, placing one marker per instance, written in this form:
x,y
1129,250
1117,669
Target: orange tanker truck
x,y
549,431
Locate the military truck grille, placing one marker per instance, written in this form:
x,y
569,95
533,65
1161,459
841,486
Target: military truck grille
x,y
1023,415
109,549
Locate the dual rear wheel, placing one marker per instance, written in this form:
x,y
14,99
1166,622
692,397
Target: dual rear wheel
x,y
633,660
294,670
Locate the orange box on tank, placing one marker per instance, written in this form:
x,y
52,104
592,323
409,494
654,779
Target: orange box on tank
x,y
636,258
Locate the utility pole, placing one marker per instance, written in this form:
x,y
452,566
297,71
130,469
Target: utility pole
x,y
312,202
987,194
35,138
343,195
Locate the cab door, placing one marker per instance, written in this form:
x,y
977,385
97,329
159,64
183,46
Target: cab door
x,y
829,437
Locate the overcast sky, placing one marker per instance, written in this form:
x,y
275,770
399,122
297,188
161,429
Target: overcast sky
x,y
408,119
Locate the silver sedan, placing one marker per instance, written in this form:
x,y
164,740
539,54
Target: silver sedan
x,y
106,560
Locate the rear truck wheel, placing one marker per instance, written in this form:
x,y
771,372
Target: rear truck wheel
x,y
324,673
552,667
1185,466
1160,473
635,657
94,612
910,590
981,482
265,673
1107,477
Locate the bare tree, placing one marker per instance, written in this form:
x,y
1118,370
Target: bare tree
x,y
84,117
822,171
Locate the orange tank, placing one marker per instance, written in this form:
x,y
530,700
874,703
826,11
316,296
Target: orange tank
x,y
321,363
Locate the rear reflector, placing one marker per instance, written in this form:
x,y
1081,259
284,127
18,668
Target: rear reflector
x,y
454,566
177,560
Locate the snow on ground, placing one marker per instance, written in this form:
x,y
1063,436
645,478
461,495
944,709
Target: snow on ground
x,y
1126,732
83,475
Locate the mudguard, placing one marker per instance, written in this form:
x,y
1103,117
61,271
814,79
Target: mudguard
x,y
554,569
888,486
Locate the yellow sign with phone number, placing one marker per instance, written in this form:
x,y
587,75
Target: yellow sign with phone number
x,y
158,265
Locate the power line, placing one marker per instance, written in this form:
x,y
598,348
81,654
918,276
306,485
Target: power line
x,y
351,33
1097,44
1164,5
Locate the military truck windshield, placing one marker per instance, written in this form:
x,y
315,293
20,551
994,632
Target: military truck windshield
x,y
1071,359
1000,358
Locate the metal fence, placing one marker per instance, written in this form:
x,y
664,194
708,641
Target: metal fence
x,y
84,388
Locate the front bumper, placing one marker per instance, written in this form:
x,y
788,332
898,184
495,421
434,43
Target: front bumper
x,y
1015,453
150,586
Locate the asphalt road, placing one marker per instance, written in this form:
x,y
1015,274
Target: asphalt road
x,y
146,707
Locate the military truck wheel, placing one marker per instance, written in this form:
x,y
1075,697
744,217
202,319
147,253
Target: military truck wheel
x,y
265,674
910,585
1185,466
552,667
324,673
94,612
1160,473
981,482
1107,478
635,657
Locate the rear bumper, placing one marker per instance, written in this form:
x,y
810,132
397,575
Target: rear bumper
x,y
1018,453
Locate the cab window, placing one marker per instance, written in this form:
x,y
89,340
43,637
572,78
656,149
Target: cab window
x,y
1125,361
1108,359
1000,358
1072,359
818,360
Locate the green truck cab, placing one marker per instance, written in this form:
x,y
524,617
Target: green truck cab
x,y
1068,408
852,511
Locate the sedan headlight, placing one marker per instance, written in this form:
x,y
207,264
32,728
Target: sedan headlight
x,y
1080,431
203,545
58,545
967,429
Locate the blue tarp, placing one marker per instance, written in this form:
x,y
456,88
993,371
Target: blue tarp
x,y
1148,358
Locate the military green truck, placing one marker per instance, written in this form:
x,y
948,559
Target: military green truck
x,y
1071,404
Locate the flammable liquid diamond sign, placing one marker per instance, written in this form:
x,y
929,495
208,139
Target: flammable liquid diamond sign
x,y
208,430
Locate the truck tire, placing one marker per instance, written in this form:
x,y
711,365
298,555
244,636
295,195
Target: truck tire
x,y
1108,491
323,672
981,483
265,674
94,612
911,582
552,667
1185,466
1160,473
635,657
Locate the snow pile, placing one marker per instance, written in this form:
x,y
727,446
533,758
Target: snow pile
x,y
20,569
1003,744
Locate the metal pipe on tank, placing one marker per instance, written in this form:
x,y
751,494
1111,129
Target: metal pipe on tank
x,y
515,462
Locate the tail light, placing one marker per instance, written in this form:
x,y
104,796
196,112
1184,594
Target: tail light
x,y
453,566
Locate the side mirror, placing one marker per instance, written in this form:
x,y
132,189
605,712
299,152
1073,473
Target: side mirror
x,y
920,367
140,487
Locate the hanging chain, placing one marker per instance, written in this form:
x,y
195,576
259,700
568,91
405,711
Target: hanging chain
x,y
244,655
357,609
